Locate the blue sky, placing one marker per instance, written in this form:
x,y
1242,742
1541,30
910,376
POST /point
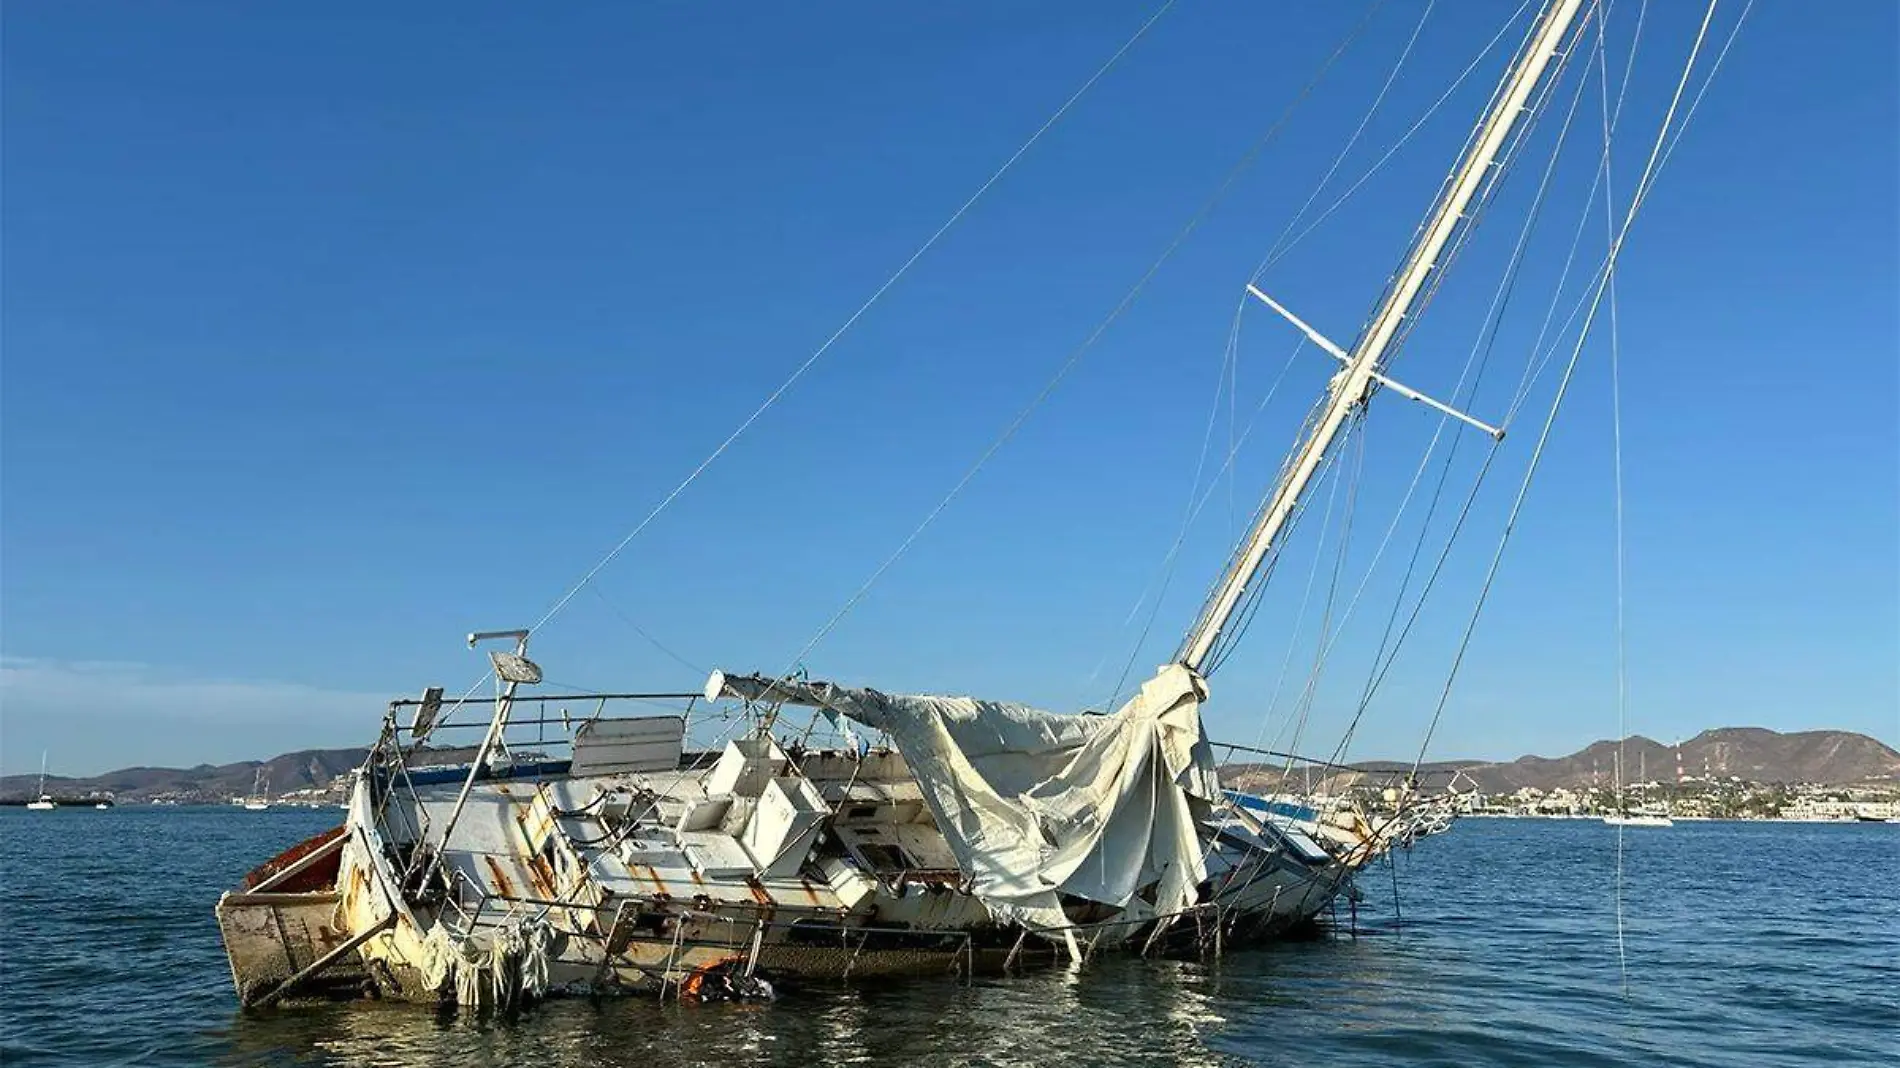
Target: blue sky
x,y
331,334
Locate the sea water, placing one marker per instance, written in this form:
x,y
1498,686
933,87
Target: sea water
x,y
1496,943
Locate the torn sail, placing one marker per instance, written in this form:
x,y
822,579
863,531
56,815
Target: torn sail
x,y
1036,804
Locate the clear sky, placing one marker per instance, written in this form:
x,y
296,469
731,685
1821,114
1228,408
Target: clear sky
x,y
333,332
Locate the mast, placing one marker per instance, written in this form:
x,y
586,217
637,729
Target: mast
x,y
1352,386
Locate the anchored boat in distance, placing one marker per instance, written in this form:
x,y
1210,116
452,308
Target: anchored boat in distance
x,y
44,801
259,798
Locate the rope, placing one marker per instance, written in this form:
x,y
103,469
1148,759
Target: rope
x,y
1643,185
1250,607
1274,250
852,320
1321,645
1274,257
837,334
1299,619
1480,355
1476,363
641,631
1165,575
1616,447
1229,382
1101,328
1506,163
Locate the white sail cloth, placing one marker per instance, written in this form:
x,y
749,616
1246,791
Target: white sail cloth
x,y
1034,804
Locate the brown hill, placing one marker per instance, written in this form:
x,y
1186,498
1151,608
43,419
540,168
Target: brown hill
x,y
301,770
1754,754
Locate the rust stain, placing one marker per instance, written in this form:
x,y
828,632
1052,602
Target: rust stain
x,y
541,874
809,892
647,872
758,891
698,879
501,880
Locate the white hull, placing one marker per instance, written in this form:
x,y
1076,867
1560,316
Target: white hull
x,y
652,881
1639,821
41,805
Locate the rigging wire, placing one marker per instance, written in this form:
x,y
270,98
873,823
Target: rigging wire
x,y
1322,645
1229,380
1577,309
1306,598
1482,349
1250,606
1532,374
1164,575
1075,356
1273,257
850,321
1479,354
1616,453
1644,184
866,306
1274,250
1462,241
642,632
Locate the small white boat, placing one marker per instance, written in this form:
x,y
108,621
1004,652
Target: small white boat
x,y
46,802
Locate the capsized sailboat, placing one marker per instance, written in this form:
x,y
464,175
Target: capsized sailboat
x,y
973,835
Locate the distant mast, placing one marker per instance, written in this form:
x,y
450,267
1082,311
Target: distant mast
x,y
260,791
1354,383
45,800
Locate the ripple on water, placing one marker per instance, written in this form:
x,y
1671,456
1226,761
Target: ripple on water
x,y
1745,945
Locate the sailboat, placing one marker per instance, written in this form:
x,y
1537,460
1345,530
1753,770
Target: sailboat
x,y
971,836
44,802
259,798
1643,815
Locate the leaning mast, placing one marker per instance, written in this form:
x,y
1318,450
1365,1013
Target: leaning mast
x,y
1353,384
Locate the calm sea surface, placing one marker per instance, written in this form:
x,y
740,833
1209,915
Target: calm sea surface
x,y
1746,944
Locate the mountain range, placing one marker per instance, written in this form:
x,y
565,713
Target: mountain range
x,y
304,769
1754,754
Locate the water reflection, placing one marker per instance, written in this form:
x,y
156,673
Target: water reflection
x,y
1120,1011
1747,944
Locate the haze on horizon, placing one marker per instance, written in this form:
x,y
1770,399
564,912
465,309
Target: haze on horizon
x,y
330,335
